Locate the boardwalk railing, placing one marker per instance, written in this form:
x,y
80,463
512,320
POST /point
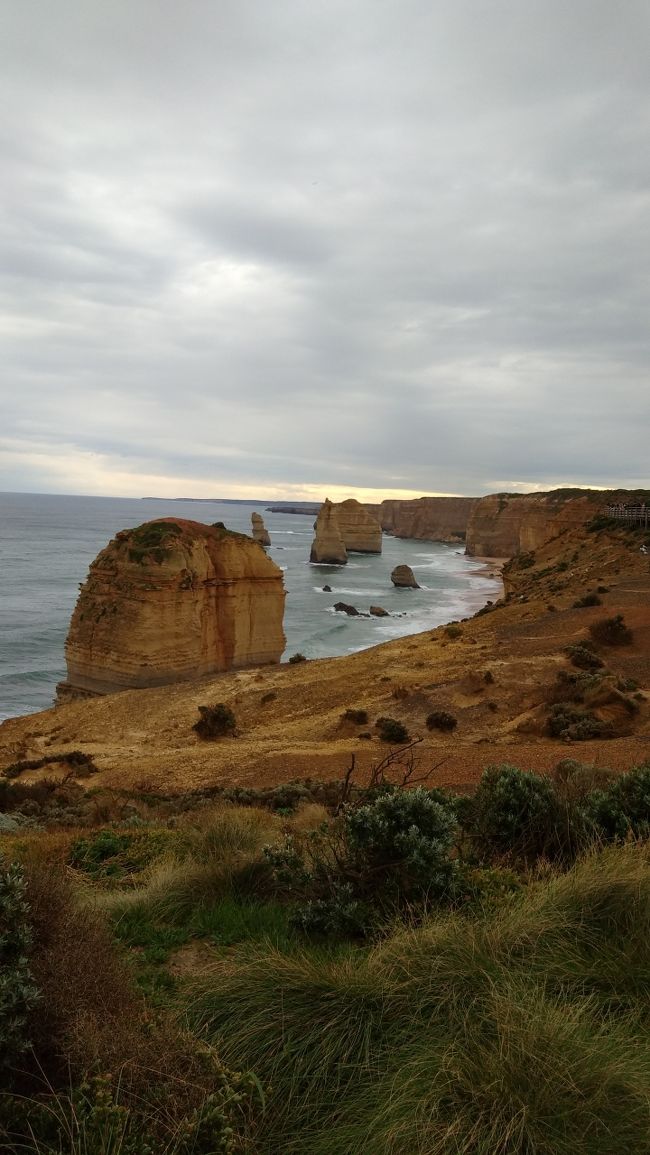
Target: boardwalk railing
x,y
632,514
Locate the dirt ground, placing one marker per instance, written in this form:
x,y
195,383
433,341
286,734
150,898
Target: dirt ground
x,y
496,678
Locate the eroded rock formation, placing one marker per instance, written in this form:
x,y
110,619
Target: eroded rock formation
x,y
260,532
425,518
328,546
403,577
170,601
361,532
505,524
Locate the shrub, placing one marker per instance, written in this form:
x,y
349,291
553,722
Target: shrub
x,y
359,717
392,851
18,991
611,631
583,657
215,721
402,840
295,658
454,631
441,720
514,813
624,808
576,725
587,600
390,730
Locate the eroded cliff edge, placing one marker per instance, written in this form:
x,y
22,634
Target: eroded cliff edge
x,y
506,524
169,601
425,518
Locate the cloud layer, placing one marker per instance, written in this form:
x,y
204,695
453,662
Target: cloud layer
x,y
284,249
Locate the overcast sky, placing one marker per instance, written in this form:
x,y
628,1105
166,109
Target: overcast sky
x,y
290,248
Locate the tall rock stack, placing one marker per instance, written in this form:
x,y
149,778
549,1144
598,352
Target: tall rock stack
x,y
260,532
361,532
170,601
328,546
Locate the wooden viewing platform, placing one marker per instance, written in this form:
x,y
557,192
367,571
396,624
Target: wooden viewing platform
x,y
632,514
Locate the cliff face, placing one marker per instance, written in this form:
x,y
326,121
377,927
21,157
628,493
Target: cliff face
x,y
503,525
425,518
328,545
361,532
170,601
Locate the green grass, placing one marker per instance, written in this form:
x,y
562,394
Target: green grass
x,y
521,1032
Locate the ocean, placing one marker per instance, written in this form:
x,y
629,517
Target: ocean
x,y
48,541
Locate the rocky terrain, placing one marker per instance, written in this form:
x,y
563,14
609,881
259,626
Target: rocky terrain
x,y
501,675
173,600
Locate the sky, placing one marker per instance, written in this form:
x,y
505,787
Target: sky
x,y
308,248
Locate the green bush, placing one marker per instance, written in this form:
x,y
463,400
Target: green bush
x,y
359,717
215,721
18,992
390,730
564,721
587,600
376,858
624,808
402,842
454,631
583,657
515,813
611,631
295,658
441,720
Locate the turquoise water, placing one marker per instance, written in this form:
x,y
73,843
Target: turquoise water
x,y
47,543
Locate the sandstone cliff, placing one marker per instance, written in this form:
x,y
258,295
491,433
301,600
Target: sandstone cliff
x,y
505,524
361,532
260,532
173,600
328,545
425,518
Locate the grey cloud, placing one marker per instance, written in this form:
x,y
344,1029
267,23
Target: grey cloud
x,y
328,243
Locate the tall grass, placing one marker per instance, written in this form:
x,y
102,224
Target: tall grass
x,y
518,1033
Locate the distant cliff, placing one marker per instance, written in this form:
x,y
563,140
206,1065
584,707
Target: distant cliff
x,y
425,518
170,601
505,524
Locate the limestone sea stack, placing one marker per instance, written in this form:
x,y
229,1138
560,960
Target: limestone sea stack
x,y
328,546
171,601
361,532
403,577
260,532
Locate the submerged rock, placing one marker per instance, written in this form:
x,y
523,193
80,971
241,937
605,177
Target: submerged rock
x,y
260,532
402,576
170,601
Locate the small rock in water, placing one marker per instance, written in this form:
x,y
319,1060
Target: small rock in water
x,y
402,576
344,608
327,589
379,612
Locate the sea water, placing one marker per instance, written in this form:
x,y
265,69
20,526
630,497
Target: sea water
x,y
47,543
